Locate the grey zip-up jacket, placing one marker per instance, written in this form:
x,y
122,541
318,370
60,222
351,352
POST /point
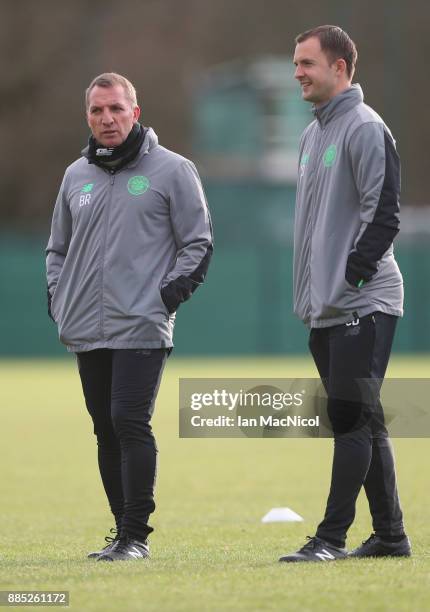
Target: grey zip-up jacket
x,y
126,248
347,214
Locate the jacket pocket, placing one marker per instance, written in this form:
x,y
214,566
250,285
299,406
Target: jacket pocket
x,y
49,304
164,305
339,300
169,303
53,306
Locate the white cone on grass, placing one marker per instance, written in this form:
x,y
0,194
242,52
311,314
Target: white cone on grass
x,y
281,515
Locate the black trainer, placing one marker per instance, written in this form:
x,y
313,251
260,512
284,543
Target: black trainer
x,y
126,549
375,546
316,550
111,543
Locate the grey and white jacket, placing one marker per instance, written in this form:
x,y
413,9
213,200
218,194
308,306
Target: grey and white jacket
x,y
126,248
347,214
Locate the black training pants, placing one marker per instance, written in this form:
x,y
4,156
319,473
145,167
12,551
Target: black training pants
x,y
120,387
352,360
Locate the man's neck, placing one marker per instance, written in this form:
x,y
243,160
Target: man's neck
x,y
338,91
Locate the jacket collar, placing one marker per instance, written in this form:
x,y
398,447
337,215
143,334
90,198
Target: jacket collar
x,y
340,104
149,142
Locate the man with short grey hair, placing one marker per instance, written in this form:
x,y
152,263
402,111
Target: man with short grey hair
x,y
131,239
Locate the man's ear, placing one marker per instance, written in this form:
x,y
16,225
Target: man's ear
x,y
340,66
136,113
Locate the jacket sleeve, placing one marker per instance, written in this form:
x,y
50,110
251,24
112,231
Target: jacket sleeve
x,y
376,168
58,244
192,228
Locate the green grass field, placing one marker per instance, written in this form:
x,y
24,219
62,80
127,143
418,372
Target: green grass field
x,y
210,550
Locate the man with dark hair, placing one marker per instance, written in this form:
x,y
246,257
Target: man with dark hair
x,y
348,288
335,44
131,240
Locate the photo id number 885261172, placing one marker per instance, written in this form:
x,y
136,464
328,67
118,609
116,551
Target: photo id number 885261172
x,y
34,598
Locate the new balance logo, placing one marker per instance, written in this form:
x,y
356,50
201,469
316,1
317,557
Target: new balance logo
x,y
324,555
353,331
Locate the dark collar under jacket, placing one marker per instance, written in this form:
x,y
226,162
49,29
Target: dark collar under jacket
x,y
116,158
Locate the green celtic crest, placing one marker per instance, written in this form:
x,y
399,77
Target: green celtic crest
x,y
330,156
138,185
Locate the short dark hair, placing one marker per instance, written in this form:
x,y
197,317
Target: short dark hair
x,y
335,43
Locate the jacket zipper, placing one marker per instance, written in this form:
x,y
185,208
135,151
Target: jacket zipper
x,y
103,253
316,161
112,174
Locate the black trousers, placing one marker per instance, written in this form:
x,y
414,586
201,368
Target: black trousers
x,y
352,360
120,387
